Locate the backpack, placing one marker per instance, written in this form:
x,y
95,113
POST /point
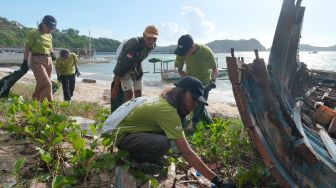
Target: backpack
x,y
121,46
124,69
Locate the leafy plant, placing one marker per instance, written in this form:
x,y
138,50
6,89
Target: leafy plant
x,y
62,181
225,145
18,164
65,154
225,140
257,175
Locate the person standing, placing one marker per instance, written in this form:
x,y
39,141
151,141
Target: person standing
x,y
200,63
67,69
39,44
128,71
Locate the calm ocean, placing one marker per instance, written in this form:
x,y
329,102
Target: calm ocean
x,y
104,71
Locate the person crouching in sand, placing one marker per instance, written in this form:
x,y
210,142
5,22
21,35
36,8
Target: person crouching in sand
x,y
148,127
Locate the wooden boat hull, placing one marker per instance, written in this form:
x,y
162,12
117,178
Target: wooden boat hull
x,y
276,103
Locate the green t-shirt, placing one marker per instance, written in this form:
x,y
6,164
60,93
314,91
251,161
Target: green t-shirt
x,y
66,66
155,116
198,64
38,42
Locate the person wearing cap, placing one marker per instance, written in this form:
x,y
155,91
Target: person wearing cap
x,y
67,69
39,44
128,70
200,63
146,132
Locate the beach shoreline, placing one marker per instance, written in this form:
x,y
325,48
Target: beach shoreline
x,y
99,93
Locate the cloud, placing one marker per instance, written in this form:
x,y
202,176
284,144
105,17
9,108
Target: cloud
x,y
170,31
196,21
193,22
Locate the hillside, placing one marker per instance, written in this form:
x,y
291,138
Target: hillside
x,y
221,46
307,47
14,34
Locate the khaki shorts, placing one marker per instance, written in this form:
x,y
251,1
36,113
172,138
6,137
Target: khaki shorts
x,y
129,83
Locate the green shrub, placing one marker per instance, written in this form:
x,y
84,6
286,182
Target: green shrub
x,y
226,146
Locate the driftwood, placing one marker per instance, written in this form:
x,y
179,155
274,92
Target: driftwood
x,y
86,80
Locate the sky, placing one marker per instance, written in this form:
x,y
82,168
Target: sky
x,y
205,20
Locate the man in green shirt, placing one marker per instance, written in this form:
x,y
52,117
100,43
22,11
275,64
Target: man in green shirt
x,y
128,70
67,69
200,63
148,129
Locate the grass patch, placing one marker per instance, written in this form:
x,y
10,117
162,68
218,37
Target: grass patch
x,y
23,89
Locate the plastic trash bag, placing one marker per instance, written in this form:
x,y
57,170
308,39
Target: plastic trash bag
x,y
121,113
7,82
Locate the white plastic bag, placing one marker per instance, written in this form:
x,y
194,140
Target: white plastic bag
x,y
121,113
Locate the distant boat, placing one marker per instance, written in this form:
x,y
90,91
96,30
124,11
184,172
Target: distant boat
x,y
90,57
222,73
94,60
313,52
166,73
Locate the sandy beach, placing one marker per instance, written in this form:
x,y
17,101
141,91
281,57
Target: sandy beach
x,y
100,93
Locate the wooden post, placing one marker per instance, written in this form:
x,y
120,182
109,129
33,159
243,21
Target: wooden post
x,y
232,52
256,54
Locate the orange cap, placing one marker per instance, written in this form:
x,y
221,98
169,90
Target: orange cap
x,y
151,31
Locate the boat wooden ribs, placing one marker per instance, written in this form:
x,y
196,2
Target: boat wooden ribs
x,y
277,102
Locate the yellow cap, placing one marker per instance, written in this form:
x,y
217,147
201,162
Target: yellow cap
x,y
151,31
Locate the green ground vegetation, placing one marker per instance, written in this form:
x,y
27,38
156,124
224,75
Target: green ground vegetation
x,y
63,155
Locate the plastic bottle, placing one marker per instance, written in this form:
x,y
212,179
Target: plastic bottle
x,y
200,178
171,173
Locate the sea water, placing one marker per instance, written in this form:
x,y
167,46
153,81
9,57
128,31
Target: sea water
x,y
104,71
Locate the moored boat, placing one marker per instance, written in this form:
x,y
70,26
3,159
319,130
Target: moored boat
x,y
167,73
